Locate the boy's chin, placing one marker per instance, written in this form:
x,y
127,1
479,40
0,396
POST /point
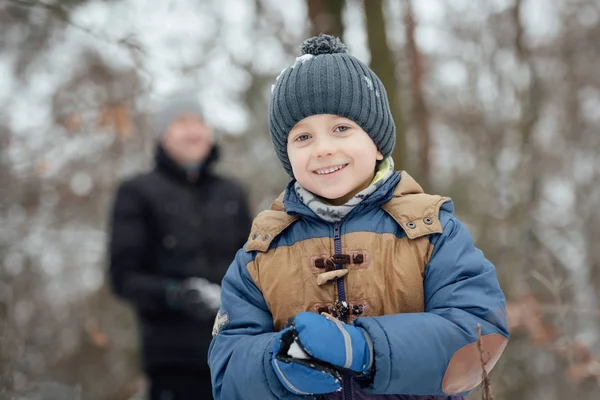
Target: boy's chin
x,y
335,198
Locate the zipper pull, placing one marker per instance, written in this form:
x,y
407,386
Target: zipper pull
x,y
336,230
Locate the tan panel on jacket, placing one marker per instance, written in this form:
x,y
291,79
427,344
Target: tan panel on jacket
x,y
390,283
287,280
389,280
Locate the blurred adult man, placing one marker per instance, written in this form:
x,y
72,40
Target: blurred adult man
x,y
175,230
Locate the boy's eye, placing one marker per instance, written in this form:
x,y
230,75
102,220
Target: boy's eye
x,y
302,138
342,128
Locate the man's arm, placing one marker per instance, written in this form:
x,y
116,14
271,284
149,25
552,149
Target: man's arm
x,y
129,247
244,218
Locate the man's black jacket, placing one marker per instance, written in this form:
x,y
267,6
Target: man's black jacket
x,y
168,225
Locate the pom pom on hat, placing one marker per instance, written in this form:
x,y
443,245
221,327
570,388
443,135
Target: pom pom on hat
x,y
323,44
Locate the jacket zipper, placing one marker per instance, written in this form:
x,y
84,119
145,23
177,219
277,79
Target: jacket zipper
x,y
337,243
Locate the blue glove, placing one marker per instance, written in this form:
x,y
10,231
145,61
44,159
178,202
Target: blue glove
x,y
310,355
297,372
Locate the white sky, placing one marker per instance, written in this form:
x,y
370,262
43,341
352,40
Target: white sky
x,y
189,30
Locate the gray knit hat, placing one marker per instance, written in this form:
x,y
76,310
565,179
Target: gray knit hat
x,y
325,79
177,104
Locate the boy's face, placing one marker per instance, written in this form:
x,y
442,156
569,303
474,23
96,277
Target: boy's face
x,y
332,157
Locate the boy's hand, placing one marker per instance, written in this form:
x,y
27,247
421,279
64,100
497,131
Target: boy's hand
x,y
297,371
312,350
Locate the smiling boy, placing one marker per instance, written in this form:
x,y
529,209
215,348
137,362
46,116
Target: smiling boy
x,y
355,284
332,157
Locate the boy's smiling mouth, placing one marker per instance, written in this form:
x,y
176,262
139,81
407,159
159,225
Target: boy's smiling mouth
x,y
330,169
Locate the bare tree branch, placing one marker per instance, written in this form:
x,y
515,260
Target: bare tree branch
x,y
487,386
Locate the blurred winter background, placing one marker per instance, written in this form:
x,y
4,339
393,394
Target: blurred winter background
x,y
497,104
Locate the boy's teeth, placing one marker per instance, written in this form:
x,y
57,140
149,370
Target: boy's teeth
x,y
329,170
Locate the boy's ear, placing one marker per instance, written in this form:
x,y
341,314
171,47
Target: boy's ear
x,y
379,156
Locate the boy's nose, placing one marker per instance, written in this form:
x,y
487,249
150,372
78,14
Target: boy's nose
x,y
324,147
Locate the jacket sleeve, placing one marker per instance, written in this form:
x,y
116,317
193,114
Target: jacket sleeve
x,y
240,352
435,352
129,244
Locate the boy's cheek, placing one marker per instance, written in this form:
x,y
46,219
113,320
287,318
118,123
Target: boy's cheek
x,y
298,164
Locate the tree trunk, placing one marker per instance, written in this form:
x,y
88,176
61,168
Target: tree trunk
x,y
420,111
382,63
326,17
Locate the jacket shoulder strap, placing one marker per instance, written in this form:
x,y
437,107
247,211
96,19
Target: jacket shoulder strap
x,y
268,225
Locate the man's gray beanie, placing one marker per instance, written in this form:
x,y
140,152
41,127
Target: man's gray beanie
x,y
176,105
325,79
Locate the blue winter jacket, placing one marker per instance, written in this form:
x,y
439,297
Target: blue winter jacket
x,y
416,284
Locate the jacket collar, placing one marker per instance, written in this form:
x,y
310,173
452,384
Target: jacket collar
x,y
295,207
165,163
396,197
